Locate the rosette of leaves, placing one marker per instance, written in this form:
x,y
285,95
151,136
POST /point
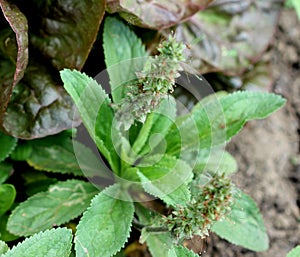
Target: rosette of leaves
x,y
136,158
165,157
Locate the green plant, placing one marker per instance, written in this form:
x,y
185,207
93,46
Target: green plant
x,y
185,167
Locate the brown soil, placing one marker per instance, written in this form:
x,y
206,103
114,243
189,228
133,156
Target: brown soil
x,y
268,153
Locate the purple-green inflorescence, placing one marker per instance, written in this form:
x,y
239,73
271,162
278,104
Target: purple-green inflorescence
x,y
155,81
209,204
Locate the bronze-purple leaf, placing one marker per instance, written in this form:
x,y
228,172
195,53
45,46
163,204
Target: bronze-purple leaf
x,y
18,24
39,106
156,14
229,36
61,35
67,30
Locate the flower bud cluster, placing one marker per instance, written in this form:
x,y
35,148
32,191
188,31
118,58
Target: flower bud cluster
x,y
156,80
209,204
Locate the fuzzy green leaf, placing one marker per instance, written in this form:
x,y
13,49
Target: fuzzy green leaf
x,y
180,251
56,157
295,252
62,202
215,161
62,154
159,243
8,144
105,226
244,225
3,248
121,44
54,242
156,127
166,178
5,169
93,105
7,197
216,122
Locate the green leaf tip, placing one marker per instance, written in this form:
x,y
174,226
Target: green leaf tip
x,y
54,242
120,58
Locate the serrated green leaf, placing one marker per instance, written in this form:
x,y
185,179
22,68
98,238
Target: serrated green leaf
x,y
8,144
62,202
54,158
244,225
3,248
4,233
166,178
39,185
168,192
215,161
105,226
155,127
93,105
180,251
295,252
159,244
54,242
5,169
63,155
216,122
7,197
115,32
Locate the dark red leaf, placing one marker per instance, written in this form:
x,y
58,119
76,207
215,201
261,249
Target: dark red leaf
x,y
39,106
156,14
67,30
18,23
61,34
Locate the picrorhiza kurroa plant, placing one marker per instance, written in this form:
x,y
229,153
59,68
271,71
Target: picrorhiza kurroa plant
x,y
152,153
